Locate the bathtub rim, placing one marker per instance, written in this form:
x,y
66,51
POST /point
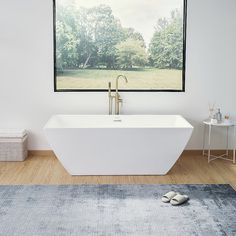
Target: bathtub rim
x,y
51,124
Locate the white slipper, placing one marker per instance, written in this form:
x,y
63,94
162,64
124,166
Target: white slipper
x,y
168,196
179,199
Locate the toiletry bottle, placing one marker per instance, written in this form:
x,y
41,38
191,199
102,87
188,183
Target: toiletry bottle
x,y
219,116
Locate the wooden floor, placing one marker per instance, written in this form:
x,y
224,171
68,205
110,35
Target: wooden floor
x,y
46,169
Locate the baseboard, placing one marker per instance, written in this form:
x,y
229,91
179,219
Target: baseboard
x,y
192,152
41,153
185,152
199,152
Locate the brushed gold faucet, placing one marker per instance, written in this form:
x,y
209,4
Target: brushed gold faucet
x,y
118,99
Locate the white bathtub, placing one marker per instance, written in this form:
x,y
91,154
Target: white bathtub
x,y
118,145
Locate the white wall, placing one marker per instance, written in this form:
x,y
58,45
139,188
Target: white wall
x,y
26,70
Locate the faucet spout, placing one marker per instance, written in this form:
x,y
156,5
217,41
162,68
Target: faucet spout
x,y
117,81
118,100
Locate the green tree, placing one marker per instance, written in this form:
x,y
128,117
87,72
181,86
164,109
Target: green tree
x,y
92,37
131,53
166,47
99,32
132,34
86,47
66,38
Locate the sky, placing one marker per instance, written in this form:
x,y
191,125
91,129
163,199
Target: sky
x,y
141,15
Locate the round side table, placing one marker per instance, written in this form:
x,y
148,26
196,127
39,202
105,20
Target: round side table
x,y
225,156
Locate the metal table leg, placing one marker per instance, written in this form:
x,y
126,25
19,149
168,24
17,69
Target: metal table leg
x,y
234,146
209,144
227,142
203,145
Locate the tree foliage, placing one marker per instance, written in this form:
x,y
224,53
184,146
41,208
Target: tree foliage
x,y
99,32
166,47
67,40
131,53
94,37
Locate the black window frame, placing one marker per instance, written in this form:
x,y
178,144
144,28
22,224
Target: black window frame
x,y
123,90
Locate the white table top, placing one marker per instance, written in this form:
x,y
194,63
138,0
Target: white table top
x,y
223,123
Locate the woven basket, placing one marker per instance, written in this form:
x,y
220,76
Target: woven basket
x,y
13,147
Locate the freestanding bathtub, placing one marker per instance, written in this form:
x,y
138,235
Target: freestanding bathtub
x,y
118,145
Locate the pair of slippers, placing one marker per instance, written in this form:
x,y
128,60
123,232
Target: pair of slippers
x,y
174,198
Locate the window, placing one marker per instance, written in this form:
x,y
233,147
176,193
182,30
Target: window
x,y
97,40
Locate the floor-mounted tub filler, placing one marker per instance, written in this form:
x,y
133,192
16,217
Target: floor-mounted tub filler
x,y
118,145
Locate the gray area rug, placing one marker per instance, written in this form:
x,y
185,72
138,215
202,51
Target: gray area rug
x,y
116,210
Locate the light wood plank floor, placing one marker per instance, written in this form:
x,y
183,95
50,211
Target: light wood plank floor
x,y
190,168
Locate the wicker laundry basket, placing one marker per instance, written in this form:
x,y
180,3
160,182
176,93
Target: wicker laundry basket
x,y
13,145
